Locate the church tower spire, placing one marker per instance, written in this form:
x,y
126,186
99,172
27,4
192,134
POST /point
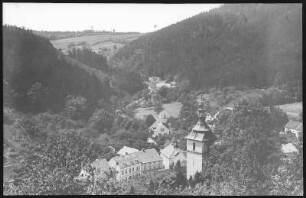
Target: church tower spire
x,y
198,141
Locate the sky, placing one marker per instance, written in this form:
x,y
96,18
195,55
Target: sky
x,y
97,16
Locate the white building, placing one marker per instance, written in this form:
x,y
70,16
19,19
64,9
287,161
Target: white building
x,y
198,142
125,167
132,165
171,155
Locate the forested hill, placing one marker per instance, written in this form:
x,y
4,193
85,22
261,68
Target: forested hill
x,y
37,78
256,45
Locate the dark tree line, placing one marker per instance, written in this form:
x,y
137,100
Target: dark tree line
x,y
37,78
90,58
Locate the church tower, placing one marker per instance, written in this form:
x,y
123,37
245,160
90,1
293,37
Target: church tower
x,y
198,141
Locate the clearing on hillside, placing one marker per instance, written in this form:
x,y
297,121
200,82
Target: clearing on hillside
x,y
173,110
293,110
106,44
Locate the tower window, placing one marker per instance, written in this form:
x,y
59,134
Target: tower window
x,y
194,146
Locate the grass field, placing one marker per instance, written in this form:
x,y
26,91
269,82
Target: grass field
x,y
173,109
106,44
293,110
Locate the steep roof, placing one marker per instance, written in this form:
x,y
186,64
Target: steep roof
x,y
167,142
126,160
200,136
157,124
170,151
294,125
201,126
126,150
148,155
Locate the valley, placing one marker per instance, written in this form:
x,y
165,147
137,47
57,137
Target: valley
x,y
127,113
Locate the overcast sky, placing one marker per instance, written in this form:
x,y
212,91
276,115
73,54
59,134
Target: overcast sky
x,y
79,17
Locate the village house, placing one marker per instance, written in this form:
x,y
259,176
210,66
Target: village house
x,y
171,154
125,167
294,127
126,150
150,160
160,126
132,165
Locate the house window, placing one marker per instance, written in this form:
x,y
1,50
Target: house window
x,y
129,177
129,170
193,146
125,171
122,172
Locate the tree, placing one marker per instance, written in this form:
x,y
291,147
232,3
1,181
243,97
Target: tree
x,y
132,190
150,120
163,91
180,177
158,107
191,182
101,119
50,169
301,116
75,107
151,186
251,145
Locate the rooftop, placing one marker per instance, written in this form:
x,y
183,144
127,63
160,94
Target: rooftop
x,y
295,125
148,155
126,150
170,151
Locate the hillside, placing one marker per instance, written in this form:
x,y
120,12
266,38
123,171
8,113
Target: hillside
x,y
254,45
102,43
38,78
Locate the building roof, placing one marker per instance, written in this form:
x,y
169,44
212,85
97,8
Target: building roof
x,y
101,164
201,136
201,126
126,150
148,155
167,142
158,124
150,140
294,125
126,160
289,148
170,151
163,115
